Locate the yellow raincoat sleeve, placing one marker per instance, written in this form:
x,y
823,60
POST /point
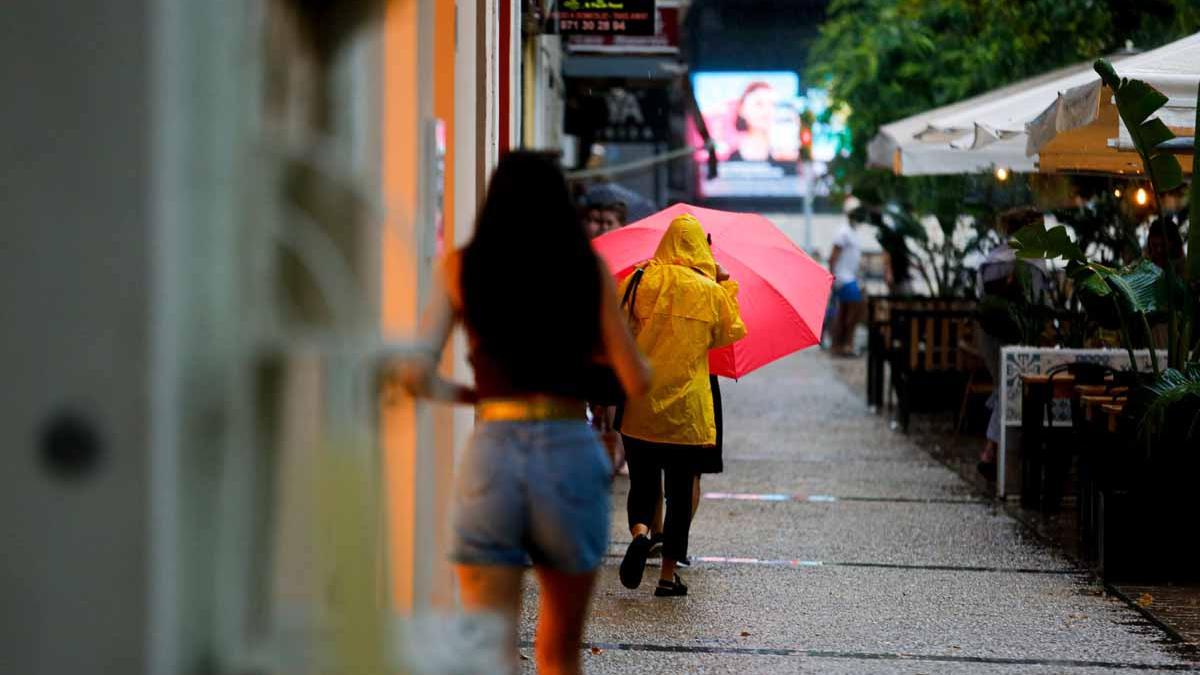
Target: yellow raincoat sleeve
x,y
729,327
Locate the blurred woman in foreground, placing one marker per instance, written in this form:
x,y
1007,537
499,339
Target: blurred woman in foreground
x,y
533,483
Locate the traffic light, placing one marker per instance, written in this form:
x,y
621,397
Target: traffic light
x,y
806,136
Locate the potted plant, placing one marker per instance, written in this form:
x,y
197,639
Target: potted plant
x,y
1158,460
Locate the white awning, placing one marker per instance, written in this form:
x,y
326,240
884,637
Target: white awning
x,y
1081,130
974,135
1059,121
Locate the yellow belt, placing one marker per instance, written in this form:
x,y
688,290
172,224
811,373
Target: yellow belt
x,y
529,409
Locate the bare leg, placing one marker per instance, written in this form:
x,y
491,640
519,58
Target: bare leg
x,y
858,312
565,599
668,570
657,526
695,496
494,590
989,452
848,318
841,320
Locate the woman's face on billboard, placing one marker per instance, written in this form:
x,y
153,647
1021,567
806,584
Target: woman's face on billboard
x,y
758,109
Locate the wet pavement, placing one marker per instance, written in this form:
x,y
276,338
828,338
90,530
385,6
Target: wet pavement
x,y
834,545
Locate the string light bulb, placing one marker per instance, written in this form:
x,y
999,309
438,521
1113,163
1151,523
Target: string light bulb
x,y
1001,174
1141,197
1117,193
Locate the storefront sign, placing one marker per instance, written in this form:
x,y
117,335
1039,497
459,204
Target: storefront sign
x,y
610,112
665,39
606,17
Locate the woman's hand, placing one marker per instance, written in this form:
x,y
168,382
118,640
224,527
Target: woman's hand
x,y
722,273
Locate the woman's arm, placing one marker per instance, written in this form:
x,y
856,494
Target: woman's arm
x,y
833,258
619,346
419,375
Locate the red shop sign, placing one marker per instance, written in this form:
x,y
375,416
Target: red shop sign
x,y
665,39
606,17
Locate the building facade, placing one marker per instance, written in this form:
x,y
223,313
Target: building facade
x,y
221,220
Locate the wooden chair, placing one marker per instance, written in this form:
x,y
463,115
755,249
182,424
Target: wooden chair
x,y
979,380
881,341
925,357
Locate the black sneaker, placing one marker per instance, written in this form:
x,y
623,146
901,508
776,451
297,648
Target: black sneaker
x,y
633,565
656,545
684,562
669,589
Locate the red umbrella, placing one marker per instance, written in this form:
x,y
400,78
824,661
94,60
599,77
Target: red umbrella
x,y
783,293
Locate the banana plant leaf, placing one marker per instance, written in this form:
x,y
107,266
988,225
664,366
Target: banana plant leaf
x,y
1036,241
1136,286
1136,102
1137,289
1169,408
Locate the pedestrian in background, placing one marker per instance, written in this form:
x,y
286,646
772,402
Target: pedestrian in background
x,y
843,263
682,306
534,483
604,217
1005,277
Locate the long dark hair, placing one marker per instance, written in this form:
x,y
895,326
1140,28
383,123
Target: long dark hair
x,y
530,280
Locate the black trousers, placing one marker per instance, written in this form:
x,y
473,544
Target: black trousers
x,y
672,467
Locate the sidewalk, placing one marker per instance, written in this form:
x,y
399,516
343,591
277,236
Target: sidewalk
x,y
833,545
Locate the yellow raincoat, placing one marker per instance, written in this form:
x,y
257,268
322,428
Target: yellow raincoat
x,y
679,314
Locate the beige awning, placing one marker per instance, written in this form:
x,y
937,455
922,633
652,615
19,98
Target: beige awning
x,y
978,134
1081,130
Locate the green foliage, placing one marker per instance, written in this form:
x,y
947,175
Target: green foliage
x,y
884,60
1021,315
1035,241
887,59
1127,298
1136,102
1105,226
1169,406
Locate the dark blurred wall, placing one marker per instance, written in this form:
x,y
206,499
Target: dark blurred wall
x,y
752,34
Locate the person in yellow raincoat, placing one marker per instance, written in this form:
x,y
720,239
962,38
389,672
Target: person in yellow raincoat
x,y
682,305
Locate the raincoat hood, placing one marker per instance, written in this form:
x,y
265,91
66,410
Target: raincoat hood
x,y
685,243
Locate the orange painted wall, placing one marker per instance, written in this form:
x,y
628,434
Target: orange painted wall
x,y
403,137
443,96
401,152
445,439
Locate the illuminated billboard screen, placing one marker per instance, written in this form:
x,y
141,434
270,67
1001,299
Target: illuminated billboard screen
x,y
754,119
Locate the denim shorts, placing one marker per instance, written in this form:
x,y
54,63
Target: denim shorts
x,y
533,491
849,292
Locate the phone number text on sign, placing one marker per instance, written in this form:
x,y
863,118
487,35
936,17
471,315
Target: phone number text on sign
x,y
638,21
592,25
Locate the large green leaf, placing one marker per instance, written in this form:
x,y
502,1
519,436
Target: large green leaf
x,y
1168,175
1169,406
1139,287
1137,290
1136,100
1035,241
1154,132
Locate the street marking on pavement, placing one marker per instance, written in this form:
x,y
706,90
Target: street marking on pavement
x,y
879,656
829,499
796,563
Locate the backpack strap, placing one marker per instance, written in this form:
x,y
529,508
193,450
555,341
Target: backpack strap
x,y
630,296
